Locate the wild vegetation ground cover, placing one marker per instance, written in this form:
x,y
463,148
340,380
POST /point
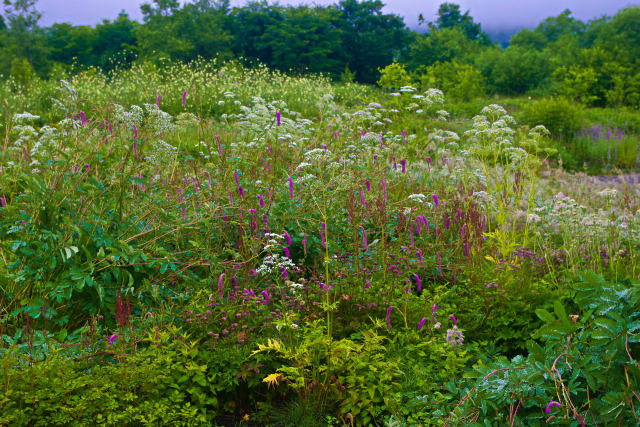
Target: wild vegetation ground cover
x,y
208,244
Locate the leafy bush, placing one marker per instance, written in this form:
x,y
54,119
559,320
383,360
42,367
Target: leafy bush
x,y
581,368
458,81
559,115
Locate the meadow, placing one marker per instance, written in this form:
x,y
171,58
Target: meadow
x,y
208,244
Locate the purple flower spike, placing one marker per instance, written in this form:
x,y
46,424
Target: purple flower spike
x,y
551,405
286,252
389,317
419,254
403,163
288,238
261,200
158,98
135,132
235,175
220,281
112,338
278,118
290,187
421,324
435,200
367,284
324,243
368,184
184,98
364,239
418,281
265,294
433,312
453,319
219,145
3,202
284,272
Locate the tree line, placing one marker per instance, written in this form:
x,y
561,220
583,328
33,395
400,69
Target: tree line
x,y
594,63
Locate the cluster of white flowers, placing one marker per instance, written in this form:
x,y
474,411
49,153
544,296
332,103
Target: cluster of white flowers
x,y
317,155
162,153
417,198
24,117
133,117
608,193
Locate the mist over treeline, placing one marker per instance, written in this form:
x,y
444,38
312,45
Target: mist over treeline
x,y
595,62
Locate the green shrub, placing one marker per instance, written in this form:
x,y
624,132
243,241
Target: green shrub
x,y
581,368
559,115
456,80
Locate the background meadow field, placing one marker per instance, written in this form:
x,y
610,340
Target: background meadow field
x,y
208,243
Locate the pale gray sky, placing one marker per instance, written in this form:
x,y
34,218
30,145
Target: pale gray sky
x,y
491,14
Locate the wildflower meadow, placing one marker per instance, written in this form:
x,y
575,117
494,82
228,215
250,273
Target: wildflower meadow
x,y
209,244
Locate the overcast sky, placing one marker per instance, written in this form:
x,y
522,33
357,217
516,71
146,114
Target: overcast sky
x,y
492,14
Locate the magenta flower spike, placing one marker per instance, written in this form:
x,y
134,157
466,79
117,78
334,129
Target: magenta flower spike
x,y
466,250
421,324
261,200
418,227
403,163
453,319
418,281
184,98
220,282
135,132
208,177
389,317
435,200
241,191
3,202
550,406
158,98
381,141
419,254
395,164
284,273
287,238
286,252
364,239
265,294
447,223
290,187
404,136
106,141
363,200
367,284
433,312
235,175
278,118
135,149
368,184
219,145
112,338
375,159
384,189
